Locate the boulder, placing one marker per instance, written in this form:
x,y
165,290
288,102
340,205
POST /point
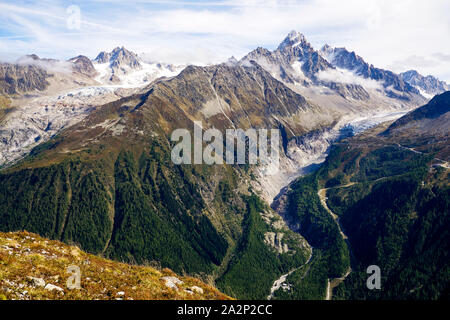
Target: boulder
x,y
51,287
37,282
196,289
172,282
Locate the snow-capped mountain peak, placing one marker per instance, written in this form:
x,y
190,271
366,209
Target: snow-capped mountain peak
x,y
122,57
120,60
294,39
123,67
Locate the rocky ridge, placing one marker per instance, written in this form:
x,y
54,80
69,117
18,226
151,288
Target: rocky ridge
x,y
428,85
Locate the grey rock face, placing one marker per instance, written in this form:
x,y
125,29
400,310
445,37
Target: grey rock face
x,y
429,84
354,91
103,57
16,79
83,65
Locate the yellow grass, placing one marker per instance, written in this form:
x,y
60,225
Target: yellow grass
x,y
24,254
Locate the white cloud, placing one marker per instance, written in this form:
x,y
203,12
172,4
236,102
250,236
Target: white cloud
x,y
348,77
49,65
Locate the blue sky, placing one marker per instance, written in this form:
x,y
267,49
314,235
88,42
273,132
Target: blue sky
x,y
398,35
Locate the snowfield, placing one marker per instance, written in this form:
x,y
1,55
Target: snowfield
x,y
134,78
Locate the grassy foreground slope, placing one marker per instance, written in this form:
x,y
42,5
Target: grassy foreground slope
x,y
24,256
